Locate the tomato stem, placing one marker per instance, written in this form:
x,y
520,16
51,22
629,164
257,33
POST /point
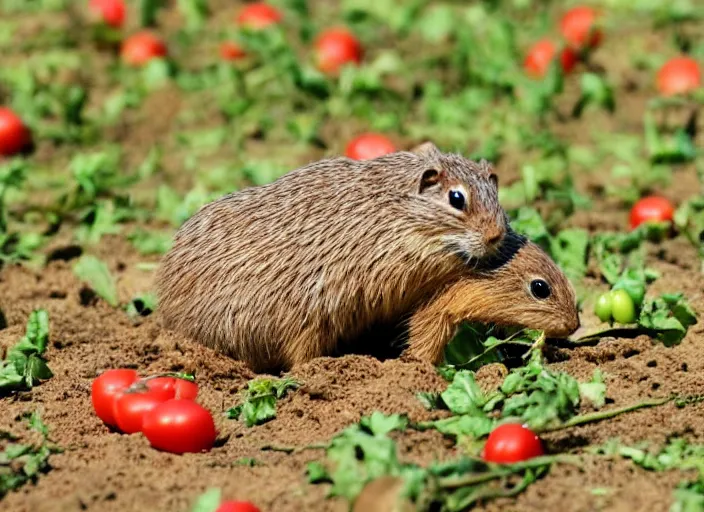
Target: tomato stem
x,y
294,449
603,415
504,470
622,331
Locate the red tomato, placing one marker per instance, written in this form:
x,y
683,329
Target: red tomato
x,y
368,146
231,51
336,47
541,54
651,208
258,15
237,506
104,390
179,426
129,409
110,12
140,48
579,27
185,389
678,76
511,442
173,387
14,135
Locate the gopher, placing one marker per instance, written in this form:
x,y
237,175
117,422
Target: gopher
x,y
278,274
519,286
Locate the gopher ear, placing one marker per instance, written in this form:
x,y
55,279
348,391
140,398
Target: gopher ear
x,y
429,178
426,149
494,178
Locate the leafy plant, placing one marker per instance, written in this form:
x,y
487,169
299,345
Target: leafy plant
x,y
96,274
676,453
533,394
24,365
569,247
364,452
21,463
259,400
668,316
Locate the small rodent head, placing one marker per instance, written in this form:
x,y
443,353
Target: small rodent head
x,y
473,223
525,287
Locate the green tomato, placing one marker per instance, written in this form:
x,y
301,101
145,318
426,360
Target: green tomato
x,y
603,307
636,289
623,309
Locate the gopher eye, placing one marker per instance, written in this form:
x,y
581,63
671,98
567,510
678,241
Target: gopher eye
x,y
457,199
540,289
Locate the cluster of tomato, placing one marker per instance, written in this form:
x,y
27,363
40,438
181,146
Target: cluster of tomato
x,y
333,47
163,408
581,30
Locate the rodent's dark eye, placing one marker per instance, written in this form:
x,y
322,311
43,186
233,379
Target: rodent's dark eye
x,y
457,199
540,289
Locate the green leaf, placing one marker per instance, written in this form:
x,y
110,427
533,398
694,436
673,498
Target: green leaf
x,y
37,331
148,10
594,390
209,501
464,396
437,23
259,411
317,473
10,378
21,463
142,305
430,400
195,12
259,400
151,242
528,222
380,424
472,426
24,365
595,91
99,221
96,274
669,315
689,497
36,370
569,248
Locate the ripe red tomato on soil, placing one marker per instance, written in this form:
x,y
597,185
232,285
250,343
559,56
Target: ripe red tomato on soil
x,y
651,208
336,47
172,387
237,506
368,146
14,134
105,388
179,426
511,442
679,76
140,48
110,12
129,409
541,54
579,27
258,15
230,50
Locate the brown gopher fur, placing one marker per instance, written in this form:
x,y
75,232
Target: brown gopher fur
x,y
504,291
279,274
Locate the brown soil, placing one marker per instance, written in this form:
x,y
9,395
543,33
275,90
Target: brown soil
x,y
100,470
